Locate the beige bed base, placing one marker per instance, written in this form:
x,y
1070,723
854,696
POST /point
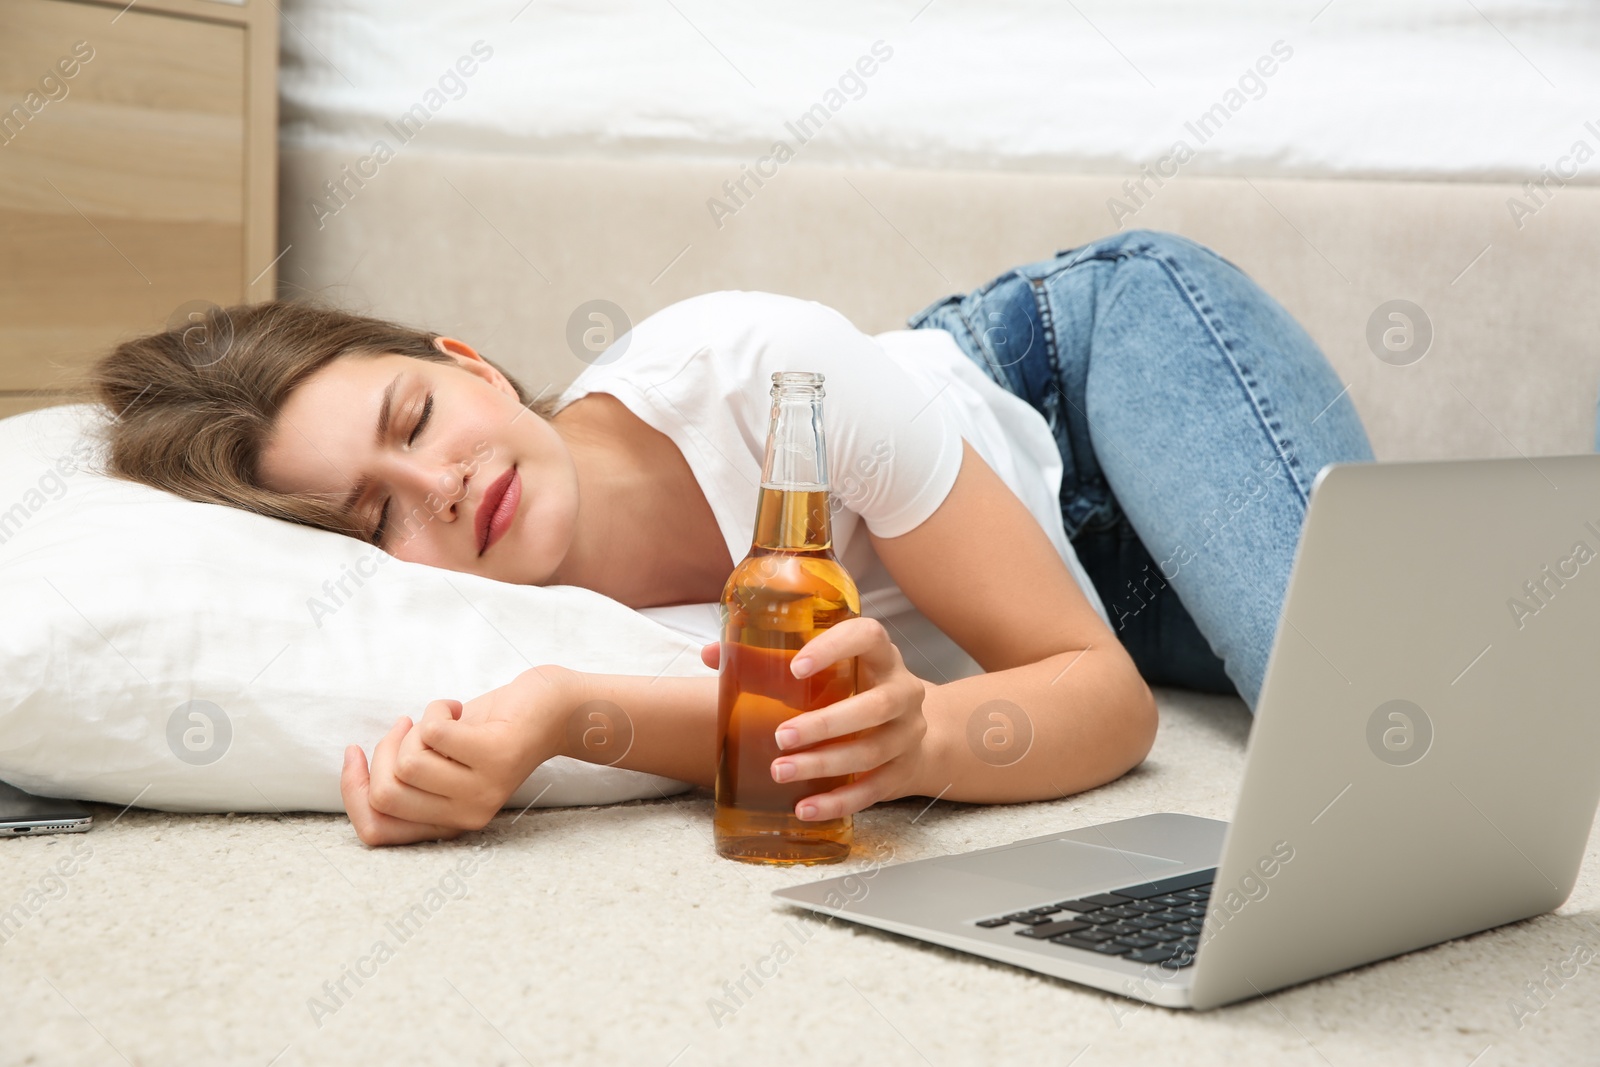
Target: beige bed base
x,y
501,250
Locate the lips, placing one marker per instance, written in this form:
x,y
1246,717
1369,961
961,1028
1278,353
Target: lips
x,y
496,509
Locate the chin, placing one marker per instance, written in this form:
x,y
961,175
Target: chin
x,y
538,559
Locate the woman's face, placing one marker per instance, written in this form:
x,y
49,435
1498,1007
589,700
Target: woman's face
x,y
453,430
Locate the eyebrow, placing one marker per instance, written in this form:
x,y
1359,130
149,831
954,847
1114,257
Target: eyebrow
x,y
385,411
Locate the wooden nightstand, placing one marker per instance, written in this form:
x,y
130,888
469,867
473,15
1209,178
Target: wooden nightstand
x,y
138,174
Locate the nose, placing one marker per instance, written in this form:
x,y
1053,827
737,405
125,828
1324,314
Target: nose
x,y
438,487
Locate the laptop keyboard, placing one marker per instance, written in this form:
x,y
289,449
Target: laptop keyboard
x,y
1149,922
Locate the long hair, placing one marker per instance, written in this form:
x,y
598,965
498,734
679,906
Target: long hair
x,y
193,408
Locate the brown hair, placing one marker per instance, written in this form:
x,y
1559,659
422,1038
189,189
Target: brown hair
x,y
193,407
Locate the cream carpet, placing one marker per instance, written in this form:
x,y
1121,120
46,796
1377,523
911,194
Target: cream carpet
x,y
605,935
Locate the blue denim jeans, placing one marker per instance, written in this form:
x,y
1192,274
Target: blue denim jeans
x,y
1192,414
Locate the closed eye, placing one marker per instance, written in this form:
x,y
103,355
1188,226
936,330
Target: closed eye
x,y
383,516
427,410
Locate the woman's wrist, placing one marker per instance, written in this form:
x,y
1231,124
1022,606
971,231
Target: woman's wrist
x,y
934,775
552,694
664,725
566,683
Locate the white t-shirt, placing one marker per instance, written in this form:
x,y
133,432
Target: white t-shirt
x,y
896,406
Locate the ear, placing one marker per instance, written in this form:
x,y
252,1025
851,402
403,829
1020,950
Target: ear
x,y
468,359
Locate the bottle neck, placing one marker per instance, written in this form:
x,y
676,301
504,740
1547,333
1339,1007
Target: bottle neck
x,y
793,513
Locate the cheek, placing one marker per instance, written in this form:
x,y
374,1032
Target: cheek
x,y
428,549
548,516
419,537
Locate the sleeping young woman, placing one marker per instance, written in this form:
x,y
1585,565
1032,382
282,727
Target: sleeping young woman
x,y
1183,411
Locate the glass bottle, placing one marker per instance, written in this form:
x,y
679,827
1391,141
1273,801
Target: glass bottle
x,y
788,589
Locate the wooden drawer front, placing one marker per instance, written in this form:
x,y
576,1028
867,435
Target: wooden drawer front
x,y
121,200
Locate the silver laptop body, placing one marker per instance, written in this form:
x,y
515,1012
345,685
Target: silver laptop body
x,y
1424,764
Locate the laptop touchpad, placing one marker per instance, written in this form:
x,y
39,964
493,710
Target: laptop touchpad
x,y
1062,865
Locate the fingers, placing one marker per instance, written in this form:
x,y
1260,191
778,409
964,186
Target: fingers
x,y
861,636
851,797
711,655
417,764
468,744
389,795
859,711
383,757
353,785
372,826
863,752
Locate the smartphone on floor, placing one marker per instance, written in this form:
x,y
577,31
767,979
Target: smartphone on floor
x,y
23,813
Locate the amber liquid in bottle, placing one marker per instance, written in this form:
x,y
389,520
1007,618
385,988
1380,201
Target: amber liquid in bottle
x,y
788,589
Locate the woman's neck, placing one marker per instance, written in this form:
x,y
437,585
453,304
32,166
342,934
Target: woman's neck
x,y
631,517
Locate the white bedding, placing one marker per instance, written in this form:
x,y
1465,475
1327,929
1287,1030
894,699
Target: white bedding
x,y
1464,89
193,657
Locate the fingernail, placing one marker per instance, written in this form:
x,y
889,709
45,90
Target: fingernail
x,y
782,772
787,736
801,667
807,811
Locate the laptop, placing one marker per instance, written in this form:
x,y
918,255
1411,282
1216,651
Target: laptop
x,y
1424,764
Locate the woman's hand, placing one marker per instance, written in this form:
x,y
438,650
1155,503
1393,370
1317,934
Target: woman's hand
x,y
455,768
884,715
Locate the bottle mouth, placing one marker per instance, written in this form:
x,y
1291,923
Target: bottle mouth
x,y
794,381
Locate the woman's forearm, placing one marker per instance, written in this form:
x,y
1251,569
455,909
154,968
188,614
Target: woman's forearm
x,y
666,725
1064,724
1048,729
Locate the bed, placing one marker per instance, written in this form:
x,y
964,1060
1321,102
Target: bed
x,y
1429,90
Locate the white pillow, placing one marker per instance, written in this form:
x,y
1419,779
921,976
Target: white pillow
x,y
120,604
